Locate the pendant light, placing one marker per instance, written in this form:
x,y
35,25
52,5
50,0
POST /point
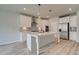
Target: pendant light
x,y
39,11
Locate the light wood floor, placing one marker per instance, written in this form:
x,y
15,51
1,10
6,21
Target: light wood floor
x,y
65,47
18,48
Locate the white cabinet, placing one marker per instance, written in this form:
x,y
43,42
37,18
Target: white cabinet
x,y
64,20
25,21
73,23
42,23
53,24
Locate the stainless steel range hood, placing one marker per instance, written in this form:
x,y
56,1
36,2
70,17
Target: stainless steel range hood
x,y
34,25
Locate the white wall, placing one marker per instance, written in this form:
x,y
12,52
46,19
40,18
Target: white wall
x,y
9,27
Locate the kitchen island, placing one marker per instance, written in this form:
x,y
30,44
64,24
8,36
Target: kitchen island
x,y
36,40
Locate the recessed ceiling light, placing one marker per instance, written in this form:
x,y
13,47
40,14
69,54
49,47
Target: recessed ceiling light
x,y
24,8
70,9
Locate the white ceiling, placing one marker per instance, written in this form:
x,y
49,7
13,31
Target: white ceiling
x,y
33,9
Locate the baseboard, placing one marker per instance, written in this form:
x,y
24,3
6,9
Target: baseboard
x,y
22,41
5,43
77,40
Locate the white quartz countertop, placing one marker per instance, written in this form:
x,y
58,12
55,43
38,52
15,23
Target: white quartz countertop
x,y
40,34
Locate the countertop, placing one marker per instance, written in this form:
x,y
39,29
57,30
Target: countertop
x,y
41,34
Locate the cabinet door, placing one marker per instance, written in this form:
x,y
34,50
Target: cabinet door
x,y
22,21
64,20
25,21
42,23
28,21
73,23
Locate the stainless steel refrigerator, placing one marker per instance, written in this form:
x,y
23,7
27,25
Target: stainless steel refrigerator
x,y
64,30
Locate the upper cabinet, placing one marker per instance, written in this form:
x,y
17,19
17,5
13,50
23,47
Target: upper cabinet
x,y
73,21
64,20
42,23
25,21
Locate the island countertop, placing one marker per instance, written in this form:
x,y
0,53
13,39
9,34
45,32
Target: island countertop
x,y
40,34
